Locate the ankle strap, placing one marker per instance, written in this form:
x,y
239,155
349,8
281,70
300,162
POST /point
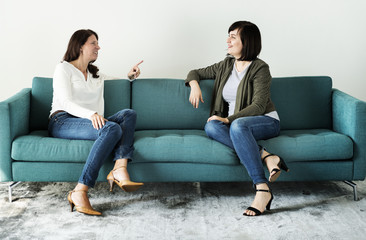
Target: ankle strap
x,y
271,154
263,190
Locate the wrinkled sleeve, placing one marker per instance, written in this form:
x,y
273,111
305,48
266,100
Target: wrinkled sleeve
x,y
203,73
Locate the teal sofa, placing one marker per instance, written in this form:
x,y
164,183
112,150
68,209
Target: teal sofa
x,y
323,134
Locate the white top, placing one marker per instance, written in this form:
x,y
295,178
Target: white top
x,y
231,88
75,95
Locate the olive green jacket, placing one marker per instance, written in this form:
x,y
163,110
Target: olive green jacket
x,y
253,96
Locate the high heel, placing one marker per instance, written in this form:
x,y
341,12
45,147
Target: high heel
x,y
268,206
125,185
81,209
277,171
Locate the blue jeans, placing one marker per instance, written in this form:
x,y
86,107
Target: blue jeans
x,y
242,135
117,134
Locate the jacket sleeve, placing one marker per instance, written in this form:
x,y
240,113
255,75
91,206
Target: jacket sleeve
x,y
203,73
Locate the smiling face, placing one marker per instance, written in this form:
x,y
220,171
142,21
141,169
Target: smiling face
x,y
89,51
234,44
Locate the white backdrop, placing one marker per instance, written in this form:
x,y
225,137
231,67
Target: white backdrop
x,y
312,37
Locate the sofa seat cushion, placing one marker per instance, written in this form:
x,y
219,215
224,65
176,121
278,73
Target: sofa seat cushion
x,y
184,146
188,146
310,145
38,146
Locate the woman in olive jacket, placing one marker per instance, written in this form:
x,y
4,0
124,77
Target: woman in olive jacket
x,y
242,111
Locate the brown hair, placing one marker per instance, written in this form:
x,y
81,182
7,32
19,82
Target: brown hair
x,y
251,39
77,40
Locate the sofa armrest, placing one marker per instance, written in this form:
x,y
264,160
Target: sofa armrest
x,y
349,118
14,121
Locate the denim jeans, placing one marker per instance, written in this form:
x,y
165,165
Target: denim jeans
x,y
116,135
242,135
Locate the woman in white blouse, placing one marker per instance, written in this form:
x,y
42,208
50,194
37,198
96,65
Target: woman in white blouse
x,y
77,113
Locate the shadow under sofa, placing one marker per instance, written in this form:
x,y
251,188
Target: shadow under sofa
x,y
323,134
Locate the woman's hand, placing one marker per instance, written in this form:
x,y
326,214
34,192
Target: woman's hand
x,y
214,117
98,121
196,94
135,71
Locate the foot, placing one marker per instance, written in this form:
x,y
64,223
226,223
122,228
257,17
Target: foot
x,y
80,198
120,174
260,201
272,163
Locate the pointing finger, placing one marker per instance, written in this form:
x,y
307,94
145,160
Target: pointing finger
x,y
139,63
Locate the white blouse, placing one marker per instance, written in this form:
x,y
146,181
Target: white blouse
x,y
75,95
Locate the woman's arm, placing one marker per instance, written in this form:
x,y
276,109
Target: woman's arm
x,y
193,79
196,95
203,73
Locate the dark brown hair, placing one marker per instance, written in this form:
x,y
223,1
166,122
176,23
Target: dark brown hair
x,y
77,40
251,39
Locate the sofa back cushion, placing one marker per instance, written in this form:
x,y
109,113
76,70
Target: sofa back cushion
x,y
117,96
163,104
303,102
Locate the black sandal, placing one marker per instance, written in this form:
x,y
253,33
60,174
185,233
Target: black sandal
x,y
257,212
277,171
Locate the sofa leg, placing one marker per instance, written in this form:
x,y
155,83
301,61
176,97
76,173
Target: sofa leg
x,y
11,186
198,187
354,186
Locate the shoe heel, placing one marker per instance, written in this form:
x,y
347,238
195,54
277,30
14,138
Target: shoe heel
x,y
283,165
71,206
268,207
71,202
111,185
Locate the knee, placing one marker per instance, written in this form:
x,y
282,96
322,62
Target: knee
x,y
210,128
238,126
112,130
130,114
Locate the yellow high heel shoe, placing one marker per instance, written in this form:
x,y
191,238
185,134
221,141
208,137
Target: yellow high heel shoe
x,y
81,209
126,185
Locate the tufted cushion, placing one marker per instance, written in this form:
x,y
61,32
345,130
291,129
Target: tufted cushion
x,y
310,145
190,146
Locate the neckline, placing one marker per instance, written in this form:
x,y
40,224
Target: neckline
x,y
87,72
243,69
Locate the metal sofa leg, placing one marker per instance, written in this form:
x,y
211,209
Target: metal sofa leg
x,y
11,186
354,186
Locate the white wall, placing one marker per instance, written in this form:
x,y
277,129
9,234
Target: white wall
x,y
313,37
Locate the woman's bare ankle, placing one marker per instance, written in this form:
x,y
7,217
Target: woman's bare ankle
x,y
81,187
120,163
120,170
262,186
